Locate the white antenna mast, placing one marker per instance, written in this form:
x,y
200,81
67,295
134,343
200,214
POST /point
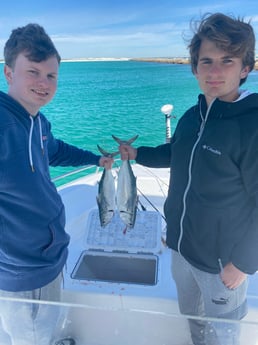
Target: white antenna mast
x,y
167,110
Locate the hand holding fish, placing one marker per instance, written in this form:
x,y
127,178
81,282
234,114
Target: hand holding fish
x,y
126,150
106,162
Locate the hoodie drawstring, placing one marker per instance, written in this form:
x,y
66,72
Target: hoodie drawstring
x,y
30,140
40,135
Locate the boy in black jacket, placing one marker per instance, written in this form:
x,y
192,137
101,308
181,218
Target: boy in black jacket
x,y
212,205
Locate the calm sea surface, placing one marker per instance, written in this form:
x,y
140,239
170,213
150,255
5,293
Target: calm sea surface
x,y
96,99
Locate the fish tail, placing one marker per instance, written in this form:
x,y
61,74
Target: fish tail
x,y
125,142
107,154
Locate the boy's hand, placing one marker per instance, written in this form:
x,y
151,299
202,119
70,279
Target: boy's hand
x,y
232,277
127,152
106,162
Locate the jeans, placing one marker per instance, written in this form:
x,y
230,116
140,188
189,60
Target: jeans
x,y
30,323
204,294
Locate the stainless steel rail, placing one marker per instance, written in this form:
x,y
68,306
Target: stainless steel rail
x,y
76,171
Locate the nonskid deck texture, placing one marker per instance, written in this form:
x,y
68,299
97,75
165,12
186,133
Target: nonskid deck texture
x,y
144,237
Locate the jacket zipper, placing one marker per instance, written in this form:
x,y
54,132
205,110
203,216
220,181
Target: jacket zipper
x,y
202,126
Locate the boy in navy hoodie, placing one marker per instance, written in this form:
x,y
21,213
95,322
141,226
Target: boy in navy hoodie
x,y
33,241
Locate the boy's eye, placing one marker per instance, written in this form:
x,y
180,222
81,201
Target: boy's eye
x,y
52,76
205,61
227,60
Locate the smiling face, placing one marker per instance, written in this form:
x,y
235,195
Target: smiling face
x,y
218,73
32,84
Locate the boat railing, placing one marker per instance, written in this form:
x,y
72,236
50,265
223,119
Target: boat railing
x,y
79,172
86,169
89,323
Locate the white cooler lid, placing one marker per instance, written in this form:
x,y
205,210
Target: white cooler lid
x,y
144,237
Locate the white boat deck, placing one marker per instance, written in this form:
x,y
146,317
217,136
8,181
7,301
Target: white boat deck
x,y
151,303
77,227
127,309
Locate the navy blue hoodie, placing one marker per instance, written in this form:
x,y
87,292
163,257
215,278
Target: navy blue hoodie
x,y
33,242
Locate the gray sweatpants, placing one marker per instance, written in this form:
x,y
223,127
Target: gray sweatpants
x,y
204,294
29,323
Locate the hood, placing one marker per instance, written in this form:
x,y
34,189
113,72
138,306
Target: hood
x,y
27,120
15,108
247,103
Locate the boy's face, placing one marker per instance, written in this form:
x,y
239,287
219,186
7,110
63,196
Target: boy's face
x,y
218,73
32,84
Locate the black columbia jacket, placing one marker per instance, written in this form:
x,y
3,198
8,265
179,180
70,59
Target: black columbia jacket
x,y
212,204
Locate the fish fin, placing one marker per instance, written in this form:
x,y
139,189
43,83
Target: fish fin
x,y
107,154
125,142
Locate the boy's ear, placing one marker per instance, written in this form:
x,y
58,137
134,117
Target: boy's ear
x,y
8,73
195,73
244,72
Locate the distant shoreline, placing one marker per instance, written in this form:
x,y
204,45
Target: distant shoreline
x,y
95,59
180,60
174,60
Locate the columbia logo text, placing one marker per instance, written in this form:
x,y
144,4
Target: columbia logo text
x,y
209,148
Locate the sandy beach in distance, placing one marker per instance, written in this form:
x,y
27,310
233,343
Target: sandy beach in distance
x,y
171,60
95,59
178,60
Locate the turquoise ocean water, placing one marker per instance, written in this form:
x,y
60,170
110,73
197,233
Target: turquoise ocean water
x,y
99,98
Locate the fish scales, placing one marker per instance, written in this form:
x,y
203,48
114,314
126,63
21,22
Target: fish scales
x,y
127,194
125,198
106,197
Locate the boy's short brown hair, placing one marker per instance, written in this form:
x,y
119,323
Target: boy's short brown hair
x,y
230,34
33,41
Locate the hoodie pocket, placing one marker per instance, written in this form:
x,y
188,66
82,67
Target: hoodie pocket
x,y
59,238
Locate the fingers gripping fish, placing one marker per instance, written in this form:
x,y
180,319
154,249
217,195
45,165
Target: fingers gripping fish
x,y
126,198
106,193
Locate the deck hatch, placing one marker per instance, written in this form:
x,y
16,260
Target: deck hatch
x,y
119,255
116,267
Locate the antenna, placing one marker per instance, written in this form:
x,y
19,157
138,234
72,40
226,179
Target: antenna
x,y
166,109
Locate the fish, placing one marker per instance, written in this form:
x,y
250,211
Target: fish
x,y
126,196
106,198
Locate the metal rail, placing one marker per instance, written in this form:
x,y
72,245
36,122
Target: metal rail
x,y
74,172
86,168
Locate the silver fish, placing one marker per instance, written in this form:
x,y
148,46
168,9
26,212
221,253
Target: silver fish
x,y
127,198
106,199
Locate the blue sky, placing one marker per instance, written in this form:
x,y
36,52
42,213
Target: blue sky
x,y
117,28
